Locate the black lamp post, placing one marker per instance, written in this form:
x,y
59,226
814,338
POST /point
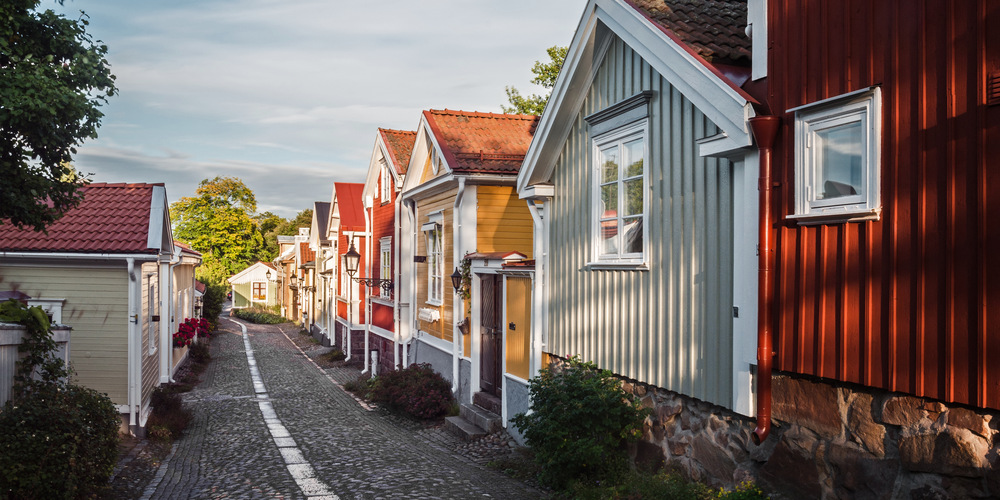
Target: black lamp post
x,y
456,280
351,259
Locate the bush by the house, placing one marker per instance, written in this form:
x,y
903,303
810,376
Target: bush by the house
x,y
58,441
169,418
259,315
581,424
635,485
200,352
212,302
417,390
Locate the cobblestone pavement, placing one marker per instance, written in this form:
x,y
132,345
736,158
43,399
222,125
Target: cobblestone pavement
x,y
333,447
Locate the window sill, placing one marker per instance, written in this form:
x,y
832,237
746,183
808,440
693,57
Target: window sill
x,y
615,266
835,217
435,303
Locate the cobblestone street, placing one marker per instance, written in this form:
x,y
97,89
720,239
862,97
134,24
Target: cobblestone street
x,y
268,423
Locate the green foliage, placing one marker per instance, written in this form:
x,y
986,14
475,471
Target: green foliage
x,y
212,302
39,364
416,390
168,413
259,315
635,485
53,79
58,441
581,423
273,226
545,75
219,222
199,352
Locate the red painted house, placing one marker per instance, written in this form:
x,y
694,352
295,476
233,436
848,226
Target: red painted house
x,y
347,228
882,121
386,170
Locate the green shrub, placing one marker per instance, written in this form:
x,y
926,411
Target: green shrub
x,y
58,441
212,302
200,352
417,390
335,355
169,413
634,485
259,315
581,423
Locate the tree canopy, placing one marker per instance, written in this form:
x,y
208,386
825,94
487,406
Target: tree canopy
x,y
545,75
53,79
220,222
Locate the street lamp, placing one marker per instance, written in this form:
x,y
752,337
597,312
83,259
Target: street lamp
x,y
268,275
351,259
456,280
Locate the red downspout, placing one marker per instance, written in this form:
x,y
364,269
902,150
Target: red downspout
x,y
764,129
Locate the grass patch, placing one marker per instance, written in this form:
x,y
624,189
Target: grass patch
x,y
333,356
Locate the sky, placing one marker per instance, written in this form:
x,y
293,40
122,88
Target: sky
x,y
287,96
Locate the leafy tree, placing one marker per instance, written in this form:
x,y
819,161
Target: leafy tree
x,y
219,222
545,75
53,78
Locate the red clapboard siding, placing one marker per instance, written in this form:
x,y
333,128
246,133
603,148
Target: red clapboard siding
x,y
910,302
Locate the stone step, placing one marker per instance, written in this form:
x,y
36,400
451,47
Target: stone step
x,y
487,401
463,428
480,417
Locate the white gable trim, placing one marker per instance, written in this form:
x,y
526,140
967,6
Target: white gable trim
x,y
711,94
159,236
251,271
422,145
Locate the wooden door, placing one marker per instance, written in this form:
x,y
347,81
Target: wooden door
x,y
492,335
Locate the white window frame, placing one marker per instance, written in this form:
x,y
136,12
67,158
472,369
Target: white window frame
x,y
52,307
345,279
253,295
386,183
862,107
434,232
620,123
385,262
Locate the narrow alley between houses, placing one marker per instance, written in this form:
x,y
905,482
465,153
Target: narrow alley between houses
x,y
269,423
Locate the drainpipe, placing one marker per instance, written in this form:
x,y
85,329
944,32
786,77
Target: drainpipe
x,y
456,334
414,324
134,401
368,274
538,286
764,128
397,250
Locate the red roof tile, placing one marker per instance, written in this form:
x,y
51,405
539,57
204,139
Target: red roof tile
x,y
714,29
482,143
352,211
400,145
111,218
307,254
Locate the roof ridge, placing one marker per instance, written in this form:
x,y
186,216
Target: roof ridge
x,y
414,132
484,114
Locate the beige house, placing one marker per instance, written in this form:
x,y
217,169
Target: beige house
x,y
100,269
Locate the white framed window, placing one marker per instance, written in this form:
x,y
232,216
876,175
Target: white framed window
x,y
621,182
434,238
345,279
52,307
386,184
837,158
259,291
385,261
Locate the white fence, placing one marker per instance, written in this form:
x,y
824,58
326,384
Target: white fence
x,y
10,339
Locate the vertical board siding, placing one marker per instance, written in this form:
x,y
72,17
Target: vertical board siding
x,y
517,348
445,203
668,326
906,303
503,222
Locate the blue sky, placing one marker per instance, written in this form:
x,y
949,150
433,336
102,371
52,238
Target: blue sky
x,y
288,95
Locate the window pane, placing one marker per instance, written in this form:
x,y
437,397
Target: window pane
x,y
633,158
609,236
633,235
839,151
633,197
609,164
609,201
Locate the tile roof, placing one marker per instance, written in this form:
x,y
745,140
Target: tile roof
x,y
714,29
111,218
352,212
187,248
307,254
400,145
482,143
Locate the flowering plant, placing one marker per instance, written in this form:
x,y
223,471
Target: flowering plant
x,y
188,329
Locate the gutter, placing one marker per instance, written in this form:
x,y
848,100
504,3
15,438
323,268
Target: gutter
x,y
369,214
765,129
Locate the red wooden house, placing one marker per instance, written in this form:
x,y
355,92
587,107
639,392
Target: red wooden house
x,y
386,169
349,229
882,123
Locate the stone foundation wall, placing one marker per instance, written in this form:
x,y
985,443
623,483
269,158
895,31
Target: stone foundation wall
x,y
828,441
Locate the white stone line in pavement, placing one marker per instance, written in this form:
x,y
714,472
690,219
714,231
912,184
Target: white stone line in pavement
x,y
298,467
364,404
